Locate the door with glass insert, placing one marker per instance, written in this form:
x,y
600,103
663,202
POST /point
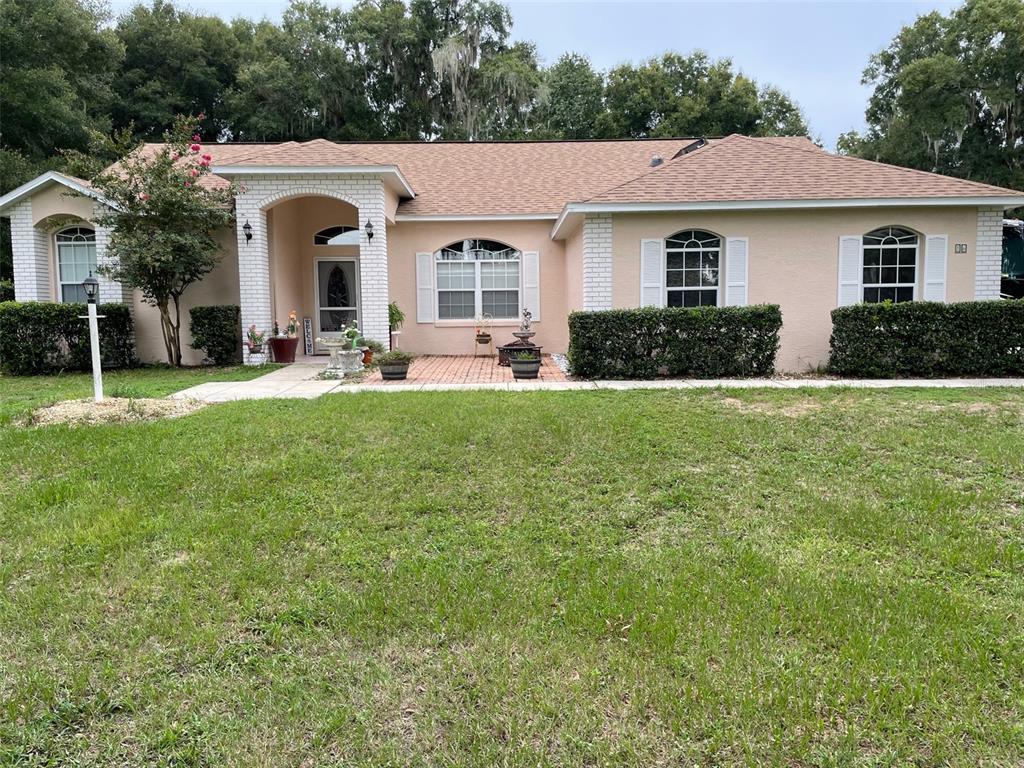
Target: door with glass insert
x,y
337,296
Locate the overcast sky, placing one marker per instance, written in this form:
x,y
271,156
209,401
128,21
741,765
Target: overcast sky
x,y
813,51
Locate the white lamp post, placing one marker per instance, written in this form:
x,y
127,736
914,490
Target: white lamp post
x,y
92,289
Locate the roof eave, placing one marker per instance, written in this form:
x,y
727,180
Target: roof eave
x,y
391,173
42,181
572,211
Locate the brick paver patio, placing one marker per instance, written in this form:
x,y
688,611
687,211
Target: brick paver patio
x,y
464,369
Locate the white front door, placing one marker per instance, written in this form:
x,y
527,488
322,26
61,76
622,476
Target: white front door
x,y
336,282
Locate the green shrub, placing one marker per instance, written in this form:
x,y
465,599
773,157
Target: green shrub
x,y
6,290
704,342
218,330
923,338
44,337
394,357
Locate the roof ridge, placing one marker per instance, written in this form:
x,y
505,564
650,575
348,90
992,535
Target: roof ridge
x,y
889,166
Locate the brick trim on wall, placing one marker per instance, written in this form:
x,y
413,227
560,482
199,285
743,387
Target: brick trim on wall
x,y
988,256
597,262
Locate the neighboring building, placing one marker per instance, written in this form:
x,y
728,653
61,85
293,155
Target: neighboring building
x,y
461,229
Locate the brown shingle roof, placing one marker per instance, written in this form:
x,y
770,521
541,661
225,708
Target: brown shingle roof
x,y
740,168
541,177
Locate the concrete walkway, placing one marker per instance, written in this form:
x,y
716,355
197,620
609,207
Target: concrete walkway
x,y
298,381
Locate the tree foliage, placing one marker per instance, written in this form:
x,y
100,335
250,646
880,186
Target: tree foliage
x,y
949,95
162,219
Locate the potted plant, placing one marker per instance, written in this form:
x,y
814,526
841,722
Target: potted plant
x,y
394,365
370,348
525,364
283,345
483,329
255,340
395,319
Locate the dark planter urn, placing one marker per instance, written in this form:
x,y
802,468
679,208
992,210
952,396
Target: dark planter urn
x,y
525,369
394,372
283,349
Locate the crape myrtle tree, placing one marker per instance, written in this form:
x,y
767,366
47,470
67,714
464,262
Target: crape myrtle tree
x,y
162,219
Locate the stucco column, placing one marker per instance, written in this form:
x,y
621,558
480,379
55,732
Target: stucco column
x,y
597,262
373,263
253,268
988,254
31,252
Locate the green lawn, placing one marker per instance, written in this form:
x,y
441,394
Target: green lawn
x,y
20,394
646,578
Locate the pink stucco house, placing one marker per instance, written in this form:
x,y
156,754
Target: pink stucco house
x,y
453,230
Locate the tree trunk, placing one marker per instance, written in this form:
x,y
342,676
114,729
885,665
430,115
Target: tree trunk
x,y
170,329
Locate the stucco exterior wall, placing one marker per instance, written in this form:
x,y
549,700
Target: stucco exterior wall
x,y
794,261
455,337
574,270
218,287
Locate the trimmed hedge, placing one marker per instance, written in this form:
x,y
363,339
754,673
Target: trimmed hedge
x,y
704,342
924,338
44,337
218,330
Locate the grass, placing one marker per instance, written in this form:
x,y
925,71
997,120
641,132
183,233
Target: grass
x,y
830,578
21,394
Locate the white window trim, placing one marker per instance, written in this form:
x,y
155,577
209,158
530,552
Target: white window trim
x,y
58,283
917,275
478,293
719,295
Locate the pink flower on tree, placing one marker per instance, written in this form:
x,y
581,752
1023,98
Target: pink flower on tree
x,y
196,137
193,173
195,147
207,158
188,183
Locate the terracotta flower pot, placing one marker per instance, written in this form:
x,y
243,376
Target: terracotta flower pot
x,y
283,349
367,356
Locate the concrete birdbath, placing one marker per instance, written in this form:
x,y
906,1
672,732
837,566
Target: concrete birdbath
x,y
344,359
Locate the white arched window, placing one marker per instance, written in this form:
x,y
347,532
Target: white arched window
x,y
692,259
890,265
76,258
334,236
476,277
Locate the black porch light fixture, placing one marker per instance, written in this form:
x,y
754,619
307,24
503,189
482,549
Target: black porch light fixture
x,y
91,286
247,230
369,229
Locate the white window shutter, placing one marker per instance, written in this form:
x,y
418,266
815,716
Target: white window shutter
x,y
736,257
652,273
531,283
424,287
850,270
935,249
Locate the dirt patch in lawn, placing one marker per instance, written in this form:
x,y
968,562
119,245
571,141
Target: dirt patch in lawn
x,y
792,410
114,410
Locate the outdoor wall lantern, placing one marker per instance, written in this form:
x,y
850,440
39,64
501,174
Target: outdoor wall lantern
x,y
369,230
247,230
